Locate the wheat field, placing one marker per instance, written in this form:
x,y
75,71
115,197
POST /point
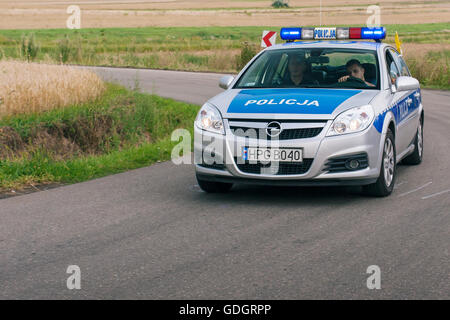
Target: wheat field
x,y
33,87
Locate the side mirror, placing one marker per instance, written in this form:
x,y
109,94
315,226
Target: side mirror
x,y
406,83
225,82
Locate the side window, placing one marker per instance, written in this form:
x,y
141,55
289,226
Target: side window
x,y
392,69
400,63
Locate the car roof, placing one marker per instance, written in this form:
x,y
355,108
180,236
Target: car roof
x,y
342,44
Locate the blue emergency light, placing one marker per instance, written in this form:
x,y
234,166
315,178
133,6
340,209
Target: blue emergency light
x,y
320,33
291,33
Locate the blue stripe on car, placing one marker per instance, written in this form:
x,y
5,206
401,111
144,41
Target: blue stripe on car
x,y
400,110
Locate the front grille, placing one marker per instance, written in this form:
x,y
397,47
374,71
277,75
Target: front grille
x,y
284,168
287,134
342,164
216,166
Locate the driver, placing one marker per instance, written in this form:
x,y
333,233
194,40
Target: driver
x,y
296,74
355,70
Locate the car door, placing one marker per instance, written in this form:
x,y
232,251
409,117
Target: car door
x,y
411,120
400,102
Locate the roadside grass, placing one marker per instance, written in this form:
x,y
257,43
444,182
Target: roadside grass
x,y
120,131
212,49
42,169
431,68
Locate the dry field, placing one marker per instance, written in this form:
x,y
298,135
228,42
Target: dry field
x,y
34,87
34,14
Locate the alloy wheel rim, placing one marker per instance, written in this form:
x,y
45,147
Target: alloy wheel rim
x,y
388,162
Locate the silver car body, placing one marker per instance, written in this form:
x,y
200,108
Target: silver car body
x,y
399,111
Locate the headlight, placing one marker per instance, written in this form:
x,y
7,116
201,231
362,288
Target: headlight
x,y
209,119
353,120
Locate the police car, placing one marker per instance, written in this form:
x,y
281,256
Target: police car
x,y
327,111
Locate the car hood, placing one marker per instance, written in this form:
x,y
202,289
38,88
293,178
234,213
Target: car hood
x,y
298,103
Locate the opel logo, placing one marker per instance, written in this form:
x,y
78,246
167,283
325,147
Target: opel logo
x,y
273,129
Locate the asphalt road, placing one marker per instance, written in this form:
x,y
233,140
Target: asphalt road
x,y
189,87
151,233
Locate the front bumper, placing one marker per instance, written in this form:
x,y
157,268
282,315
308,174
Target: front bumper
x,y
318,150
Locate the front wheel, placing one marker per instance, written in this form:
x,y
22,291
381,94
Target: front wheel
x,y
388,172
416,157
214,187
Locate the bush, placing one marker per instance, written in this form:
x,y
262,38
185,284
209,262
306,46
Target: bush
x,y
432,70
280,4
29,48
247,53
64,49
70,50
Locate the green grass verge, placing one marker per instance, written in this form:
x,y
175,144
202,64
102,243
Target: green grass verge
x,y
41,169
148,39
136,134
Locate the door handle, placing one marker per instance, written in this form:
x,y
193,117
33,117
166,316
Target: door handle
x,y
417,95
409,101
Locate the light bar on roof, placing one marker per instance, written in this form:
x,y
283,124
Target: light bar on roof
x,y
354,33
373,33
320,33
307,33
291,34
343,33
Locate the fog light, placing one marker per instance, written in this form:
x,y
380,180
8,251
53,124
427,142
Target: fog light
x,y
353,164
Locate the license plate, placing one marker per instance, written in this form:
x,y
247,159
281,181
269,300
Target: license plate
x,y
272,154
324,33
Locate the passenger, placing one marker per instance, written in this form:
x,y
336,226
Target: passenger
x,y
296,74
356,70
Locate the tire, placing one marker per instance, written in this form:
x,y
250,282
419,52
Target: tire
x,y
214,187
388,171
415,158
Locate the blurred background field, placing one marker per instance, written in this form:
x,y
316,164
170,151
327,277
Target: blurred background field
x,y
214,35
37,14
216,49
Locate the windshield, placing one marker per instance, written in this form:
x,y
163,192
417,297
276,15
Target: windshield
x,y
313,68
